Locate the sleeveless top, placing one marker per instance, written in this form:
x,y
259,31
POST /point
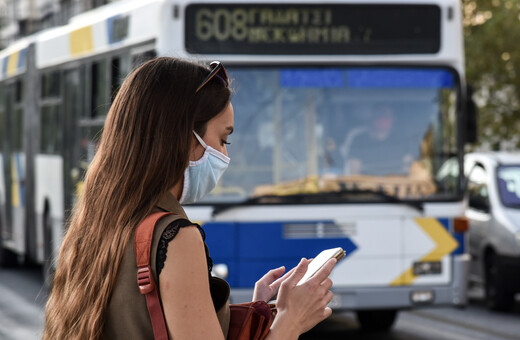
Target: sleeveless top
x,y
127,315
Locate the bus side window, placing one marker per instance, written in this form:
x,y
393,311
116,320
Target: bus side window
x,y
2,119
17,120
120,67
478,193
99,84
141,58
51,133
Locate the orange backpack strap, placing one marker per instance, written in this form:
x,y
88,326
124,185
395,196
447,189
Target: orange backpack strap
x,y
147,287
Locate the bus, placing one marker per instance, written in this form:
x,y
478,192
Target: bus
x,y
347,115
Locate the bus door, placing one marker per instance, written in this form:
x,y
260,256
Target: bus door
x,y
93,95
5,173
14,162
89,91
74,99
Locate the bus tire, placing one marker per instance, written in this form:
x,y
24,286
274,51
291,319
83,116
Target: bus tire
x,y
499,296
376,320
48,264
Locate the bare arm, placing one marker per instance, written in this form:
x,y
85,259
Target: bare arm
x,y
184,288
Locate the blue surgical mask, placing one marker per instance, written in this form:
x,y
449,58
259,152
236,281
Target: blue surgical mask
x,y
201,176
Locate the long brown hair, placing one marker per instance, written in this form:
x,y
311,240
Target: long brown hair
x,y
143,153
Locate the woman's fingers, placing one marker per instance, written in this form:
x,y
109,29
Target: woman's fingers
x,y
327,312
273,274
264,289
299,272
327,284
324,271
328,297
270,276
276,284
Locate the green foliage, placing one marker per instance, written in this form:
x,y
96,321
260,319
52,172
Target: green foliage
x,y
492,33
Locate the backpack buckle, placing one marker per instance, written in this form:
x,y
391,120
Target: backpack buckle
x,y
145,280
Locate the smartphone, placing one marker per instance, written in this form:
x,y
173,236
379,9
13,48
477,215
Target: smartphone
x,y
320,260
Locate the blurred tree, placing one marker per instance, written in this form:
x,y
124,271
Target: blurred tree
x,y
492,32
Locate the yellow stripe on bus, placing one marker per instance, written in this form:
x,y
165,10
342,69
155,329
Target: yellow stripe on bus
x,y
445,244
15,187
12,63
81,41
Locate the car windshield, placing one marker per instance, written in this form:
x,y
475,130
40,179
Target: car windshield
x,y
307,131
509,185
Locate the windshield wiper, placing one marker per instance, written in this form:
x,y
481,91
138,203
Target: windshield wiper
x,y
339,196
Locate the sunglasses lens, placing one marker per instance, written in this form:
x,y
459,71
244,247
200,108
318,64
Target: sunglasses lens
x,y
223,75
218,70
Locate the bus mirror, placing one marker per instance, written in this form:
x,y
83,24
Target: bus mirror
x,y
471,116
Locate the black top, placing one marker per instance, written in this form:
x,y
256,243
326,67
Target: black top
x,y
169,234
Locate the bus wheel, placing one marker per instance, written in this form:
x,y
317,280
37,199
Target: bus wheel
x,y
48,266
499,295
376,320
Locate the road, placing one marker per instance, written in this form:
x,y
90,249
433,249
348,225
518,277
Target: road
x,y
22,301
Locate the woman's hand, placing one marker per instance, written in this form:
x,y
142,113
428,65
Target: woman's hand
x,y
267,287
302,307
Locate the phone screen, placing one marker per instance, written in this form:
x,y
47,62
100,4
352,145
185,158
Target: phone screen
x,y
320,260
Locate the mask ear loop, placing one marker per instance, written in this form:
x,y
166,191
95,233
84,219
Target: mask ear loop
x,y
210,149
204,145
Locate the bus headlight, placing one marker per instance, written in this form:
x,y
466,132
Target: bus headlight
x,y
220,270
427,268
422,296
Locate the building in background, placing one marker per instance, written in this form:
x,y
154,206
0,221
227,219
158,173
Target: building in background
x,y
19,18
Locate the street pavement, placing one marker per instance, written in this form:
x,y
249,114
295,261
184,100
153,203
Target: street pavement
x,y
22,300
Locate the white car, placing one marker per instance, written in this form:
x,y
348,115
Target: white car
x,y
493,198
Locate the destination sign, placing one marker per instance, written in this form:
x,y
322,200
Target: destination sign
x,y
312,29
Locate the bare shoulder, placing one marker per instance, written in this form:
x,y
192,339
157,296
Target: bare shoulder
x,y
188,237
186,254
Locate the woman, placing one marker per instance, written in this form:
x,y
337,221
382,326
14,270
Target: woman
x,y
164,140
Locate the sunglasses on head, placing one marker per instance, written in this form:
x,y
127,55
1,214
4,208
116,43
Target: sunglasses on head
x,y
217,70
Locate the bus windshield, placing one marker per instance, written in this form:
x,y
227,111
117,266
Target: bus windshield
x,y
329,130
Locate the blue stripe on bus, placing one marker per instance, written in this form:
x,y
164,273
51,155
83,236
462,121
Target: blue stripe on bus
x,y
5,62
21,59
394,78
223,247
318,78
122,32
445,222
459,237
366,78
250,250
